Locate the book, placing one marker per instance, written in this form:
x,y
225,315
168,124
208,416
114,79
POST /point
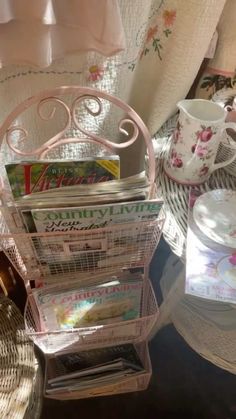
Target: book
x,y
30,177
69,219
70,307
91,368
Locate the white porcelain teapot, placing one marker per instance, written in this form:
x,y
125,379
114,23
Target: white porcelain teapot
x,y
196,140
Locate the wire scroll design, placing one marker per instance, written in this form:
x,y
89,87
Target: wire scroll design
x,y
131,126
23,135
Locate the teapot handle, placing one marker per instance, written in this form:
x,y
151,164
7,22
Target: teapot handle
x,y
232,146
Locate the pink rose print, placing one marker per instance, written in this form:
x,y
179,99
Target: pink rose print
x,y
205,135
204,170
176,160
201,151
232,259
95,73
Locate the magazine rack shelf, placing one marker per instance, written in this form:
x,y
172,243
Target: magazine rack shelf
x,y
46,259
51,256
135,330
137,382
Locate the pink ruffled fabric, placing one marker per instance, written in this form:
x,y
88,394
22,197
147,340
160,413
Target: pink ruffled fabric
x,y
36,32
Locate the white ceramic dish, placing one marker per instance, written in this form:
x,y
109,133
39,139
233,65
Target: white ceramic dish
x,y
227,272
214,213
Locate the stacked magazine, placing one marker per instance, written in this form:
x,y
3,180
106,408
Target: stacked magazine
x,y
27,178
67,307
92,369
83,182
132,188
68,219
68,197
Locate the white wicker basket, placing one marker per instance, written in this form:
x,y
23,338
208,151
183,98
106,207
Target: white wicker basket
x,y
20,376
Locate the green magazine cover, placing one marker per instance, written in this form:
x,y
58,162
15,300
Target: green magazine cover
x,y
30,177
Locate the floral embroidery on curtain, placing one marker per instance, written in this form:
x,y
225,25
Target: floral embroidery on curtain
x,y
156,34
153,34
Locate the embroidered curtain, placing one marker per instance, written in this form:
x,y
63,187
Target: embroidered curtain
x,y
166,41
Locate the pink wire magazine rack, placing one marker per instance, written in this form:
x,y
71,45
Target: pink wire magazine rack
x,y
74,117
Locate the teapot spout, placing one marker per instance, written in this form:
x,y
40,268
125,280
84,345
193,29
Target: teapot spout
x,y
190,107
183,105
201,109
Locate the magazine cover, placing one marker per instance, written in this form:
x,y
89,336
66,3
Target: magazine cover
x,y
26,178
92,306
90,217
210,266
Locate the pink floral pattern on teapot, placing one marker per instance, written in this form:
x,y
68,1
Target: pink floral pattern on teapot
x,y
195,142
176,160
205,133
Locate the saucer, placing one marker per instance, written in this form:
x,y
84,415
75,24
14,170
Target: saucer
x,y
214,213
